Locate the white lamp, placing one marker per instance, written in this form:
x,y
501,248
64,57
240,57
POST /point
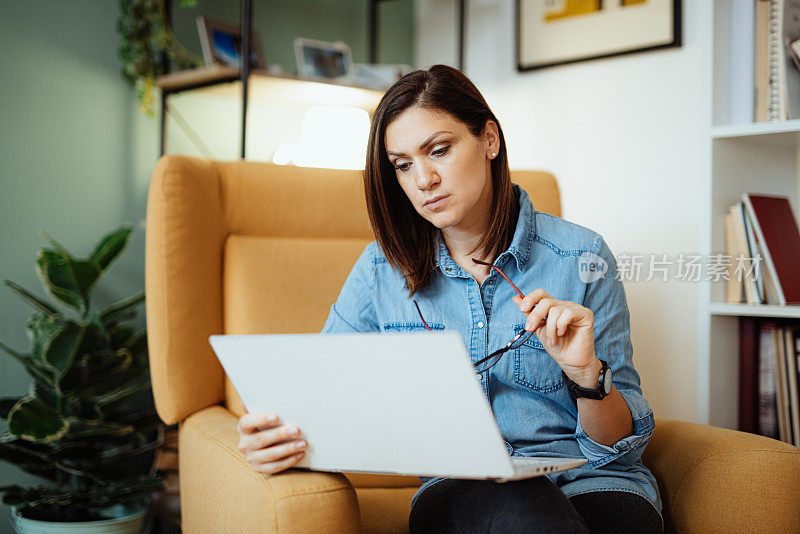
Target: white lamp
x,y
334,137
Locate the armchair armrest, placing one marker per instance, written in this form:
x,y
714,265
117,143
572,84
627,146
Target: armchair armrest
x,y
224,494
719,480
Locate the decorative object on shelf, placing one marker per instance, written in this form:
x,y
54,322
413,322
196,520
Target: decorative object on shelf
x,y
553,33
379,76
145,34
222,44
323,60
83,427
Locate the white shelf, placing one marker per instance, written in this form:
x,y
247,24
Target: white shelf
x,y
754,310
783,133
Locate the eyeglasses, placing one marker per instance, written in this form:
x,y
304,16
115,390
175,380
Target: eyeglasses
x,y
488,362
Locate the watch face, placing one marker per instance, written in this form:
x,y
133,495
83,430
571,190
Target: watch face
x,y
607,381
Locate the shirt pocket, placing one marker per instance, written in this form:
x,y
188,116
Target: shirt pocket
x,y
410,326
534,368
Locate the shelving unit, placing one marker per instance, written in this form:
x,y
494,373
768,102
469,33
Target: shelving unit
x,y
758,157
235,82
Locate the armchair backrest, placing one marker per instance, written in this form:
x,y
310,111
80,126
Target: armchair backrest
x,y
245,247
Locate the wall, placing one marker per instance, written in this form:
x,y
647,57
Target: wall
x,y
628,140
75,161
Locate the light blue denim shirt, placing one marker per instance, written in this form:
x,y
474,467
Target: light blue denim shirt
x,y
534,409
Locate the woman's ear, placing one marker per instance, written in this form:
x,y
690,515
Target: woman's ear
x,y
492,137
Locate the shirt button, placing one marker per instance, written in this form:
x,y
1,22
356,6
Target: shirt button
x,y
481,325
490,281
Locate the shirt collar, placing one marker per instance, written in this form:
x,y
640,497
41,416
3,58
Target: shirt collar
x,y
520,248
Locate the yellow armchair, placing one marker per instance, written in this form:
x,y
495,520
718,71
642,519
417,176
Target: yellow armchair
x,y
243,248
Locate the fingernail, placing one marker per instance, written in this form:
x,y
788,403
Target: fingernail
x,y
299,455
300,444
292,431
271,419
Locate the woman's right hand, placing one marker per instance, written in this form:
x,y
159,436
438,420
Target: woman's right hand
x,y
268,446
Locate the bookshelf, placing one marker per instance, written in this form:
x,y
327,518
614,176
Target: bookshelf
x,y
212,95
755,157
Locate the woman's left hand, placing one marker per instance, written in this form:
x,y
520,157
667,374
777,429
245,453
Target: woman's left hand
x,y
566,330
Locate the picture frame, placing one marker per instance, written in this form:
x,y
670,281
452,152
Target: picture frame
x,y
560,32
222,44
323,60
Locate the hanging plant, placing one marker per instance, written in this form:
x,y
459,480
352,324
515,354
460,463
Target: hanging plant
x,y
145,34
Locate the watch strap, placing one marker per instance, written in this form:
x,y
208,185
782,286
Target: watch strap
x,y
597,393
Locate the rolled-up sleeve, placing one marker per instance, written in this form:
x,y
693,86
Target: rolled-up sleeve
x,y
612,342
354,310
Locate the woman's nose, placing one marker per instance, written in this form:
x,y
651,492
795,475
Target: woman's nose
x,y
427,177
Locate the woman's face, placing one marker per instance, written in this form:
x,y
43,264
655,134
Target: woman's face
x,y
443,169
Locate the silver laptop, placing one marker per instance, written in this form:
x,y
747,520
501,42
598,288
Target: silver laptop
x,y
405,403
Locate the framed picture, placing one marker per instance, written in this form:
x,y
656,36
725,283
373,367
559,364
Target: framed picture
x,y
557,32
323,60
222,44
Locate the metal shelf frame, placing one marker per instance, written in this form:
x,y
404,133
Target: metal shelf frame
x,y
246,28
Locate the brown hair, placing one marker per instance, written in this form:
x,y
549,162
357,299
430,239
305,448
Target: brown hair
x,y
406,238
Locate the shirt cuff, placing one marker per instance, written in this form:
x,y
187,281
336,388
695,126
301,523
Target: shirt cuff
x,y
628,450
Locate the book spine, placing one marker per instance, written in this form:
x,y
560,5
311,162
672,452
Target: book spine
x,y
767,405
749,328
774,40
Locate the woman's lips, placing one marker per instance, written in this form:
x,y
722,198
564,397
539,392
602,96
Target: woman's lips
x,y
438,202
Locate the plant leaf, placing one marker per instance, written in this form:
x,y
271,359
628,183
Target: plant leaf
x,y
6,403
33,420
107,403
84,428
67,279
122,308
31,299
110,246
24,455
63,348
36,369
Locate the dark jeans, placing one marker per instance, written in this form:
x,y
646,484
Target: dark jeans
x,y
531,505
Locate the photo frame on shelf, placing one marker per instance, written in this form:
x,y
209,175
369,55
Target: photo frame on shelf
x,y
222,44
558,32
323,60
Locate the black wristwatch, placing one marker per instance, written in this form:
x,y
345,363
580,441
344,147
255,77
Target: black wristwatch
x,y
603,385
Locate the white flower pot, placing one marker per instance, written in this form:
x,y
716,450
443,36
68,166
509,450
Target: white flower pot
x,y
125,521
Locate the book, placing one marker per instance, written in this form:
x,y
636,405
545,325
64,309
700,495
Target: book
x,y
781,388
742,61
792,383
743,252
767,401
775,227
777,79
749,328
735,284
767,405
761,81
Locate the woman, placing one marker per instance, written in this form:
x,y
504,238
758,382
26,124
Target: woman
x,y
457,245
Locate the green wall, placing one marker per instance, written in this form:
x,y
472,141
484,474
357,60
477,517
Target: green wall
x,y
75,153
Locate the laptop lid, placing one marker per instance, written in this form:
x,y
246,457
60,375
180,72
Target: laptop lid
x,y
401,403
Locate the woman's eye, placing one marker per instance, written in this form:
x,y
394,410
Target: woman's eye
x,y
441,151
402,166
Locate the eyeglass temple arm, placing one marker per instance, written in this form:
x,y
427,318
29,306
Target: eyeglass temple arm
x,y
496,268
421,317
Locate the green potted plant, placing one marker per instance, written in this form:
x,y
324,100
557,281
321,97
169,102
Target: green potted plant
x,y
80,428
144,35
